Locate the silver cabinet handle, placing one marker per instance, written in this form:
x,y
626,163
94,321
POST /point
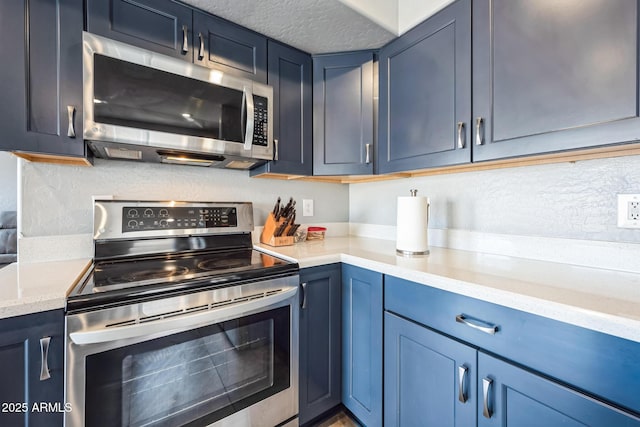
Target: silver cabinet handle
x,y
479,122
201,49
487,328
460,134
185,40
303,304
275,149
367,153
462,378
486,389
71,112
44,358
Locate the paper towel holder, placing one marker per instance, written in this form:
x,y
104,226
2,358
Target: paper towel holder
x,y
413,253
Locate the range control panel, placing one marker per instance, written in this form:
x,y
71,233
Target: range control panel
x,y
136,218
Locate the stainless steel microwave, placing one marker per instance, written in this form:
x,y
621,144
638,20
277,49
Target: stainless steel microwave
x,y
144,106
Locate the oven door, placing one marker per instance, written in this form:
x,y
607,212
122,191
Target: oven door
x,y
239,367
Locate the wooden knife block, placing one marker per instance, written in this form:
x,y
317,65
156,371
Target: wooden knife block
x,y
270,227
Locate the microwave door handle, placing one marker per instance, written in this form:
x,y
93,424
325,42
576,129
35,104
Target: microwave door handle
x,y
247,98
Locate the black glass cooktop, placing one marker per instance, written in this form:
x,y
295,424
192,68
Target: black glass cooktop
x,y
120,281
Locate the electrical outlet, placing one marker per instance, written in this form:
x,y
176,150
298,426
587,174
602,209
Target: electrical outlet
x,y
307,207
629,210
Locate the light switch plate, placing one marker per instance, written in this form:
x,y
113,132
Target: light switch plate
x,y
629,210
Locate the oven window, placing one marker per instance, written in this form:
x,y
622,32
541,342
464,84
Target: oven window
x,y
132,95
190,378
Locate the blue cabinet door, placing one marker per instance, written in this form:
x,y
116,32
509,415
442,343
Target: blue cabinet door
x,y
21,362
362,344
343,114
163,26
41,76
320,340
425,94
545,83
225,46
289,73
512,397
429,379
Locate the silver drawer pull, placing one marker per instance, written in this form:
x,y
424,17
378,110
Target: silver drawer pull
x,y
460,135
275,149
462,377
486,389
367,155
44,358
487,328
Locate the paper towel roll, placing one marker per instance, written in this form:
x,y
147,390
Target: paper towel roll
x,y
412,222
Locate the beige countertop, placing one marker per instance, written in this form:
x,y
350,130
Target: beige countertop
x,y
603,300
33,287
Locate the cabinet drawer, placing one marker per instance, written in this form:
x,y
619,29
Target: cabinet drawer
x,y
597,363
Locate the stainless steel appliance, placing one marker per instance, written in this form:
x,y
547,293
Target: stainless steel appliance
x,y
141,105
180,322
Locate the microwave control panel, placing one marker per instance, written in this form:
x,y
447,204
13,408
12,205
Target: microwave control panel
x,y
136,218
261,121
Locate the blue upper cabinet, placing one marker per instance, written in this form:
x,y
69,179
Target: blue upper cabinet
x,y
174,29
320,340
512,397
425,94
31,368
430,380
343,114
289,73
162,26
228,47
553,76
362,344
41,77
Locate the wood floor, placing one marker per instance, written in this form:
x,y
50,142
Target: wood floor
x,y
341,419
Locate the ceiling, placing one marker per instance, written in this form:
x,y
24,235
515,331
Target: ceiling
x,y
314,26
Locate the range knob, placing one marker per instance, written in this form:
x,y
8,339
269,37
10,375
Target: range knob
x,y
163,213
132,224
133,213
148,213
164,223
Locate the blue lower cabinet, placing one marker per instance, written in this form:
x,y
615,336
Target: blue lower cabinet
x,y
512,397
429,379
320,340
32,370
362,344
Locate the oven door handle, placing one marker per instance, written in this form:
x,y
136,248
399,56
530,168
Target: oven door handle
x,y
182,322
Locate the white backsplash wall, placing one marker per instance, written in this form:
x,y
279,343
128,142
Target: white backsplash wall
x,y
565,200
57,200
8,182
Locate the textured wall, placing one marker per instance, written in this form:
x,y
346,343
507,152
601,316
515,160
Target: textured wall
x,y
57,200
8,182
567,200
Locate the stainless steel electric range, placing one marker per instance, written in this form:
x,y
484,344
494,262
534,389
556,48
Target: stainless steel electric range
x,y
180,322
